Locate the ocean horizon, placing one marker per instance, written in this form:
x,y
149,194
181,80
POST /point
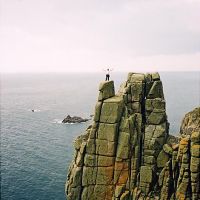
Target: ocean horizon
x,y
36,148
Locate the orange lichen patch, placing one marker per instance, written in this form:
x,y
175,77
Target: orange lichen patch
x,y
180,196
121,165
196,146
184,141
183,148
109,171
123,177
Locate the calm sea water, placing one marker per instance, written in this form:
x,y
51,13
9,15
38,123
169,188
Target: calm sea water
x,y
36,148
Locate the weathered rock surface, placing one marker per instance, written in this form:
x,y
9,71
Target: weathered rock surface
x,y
74,119
191,122
128,154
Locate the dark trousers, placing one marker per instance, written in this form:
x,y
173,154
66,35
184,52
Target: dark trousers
x,y
107,77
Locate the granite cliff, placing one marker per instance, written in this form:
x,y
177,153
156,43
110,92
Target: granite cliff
x,y
128,153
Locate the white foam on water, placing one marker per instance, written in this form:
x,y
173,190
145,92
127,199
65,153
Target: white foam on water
x,y
57,121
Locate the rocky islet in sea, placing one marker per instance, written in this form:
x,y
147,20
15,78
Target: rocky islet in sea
x,y
128,153
74,119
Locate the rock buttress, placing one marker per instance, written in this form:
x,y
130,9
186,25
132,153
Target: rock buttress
x,y
128,153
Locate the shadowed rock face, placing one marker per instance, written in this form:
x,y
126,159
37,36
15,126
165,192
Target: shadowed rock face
x,y
127,153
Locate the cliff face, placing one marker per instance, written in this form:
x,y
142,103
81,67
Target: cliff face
x,y
128,153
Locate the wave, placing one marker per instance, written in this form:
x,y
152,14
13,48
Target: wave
x,y
58,121
76,123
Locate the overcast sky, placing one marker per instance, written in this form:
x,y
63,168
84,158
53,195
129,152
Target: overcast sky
x,y
88,35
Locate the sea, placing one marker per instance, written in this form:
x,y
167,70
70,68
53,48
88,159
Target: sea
x,y
36,148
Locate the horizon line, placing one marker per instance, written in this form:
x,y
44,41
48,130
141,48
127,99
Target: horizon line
x,y
95,72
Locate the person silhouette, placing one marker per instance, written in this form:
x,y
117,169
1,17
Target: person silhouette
x,y
108,74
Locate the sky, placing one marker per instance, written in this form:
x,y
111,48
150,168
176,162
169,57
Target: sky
x,y
91,35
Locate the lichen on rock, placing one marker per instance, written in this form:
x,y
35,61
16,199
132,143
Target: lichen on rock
x,y
128,154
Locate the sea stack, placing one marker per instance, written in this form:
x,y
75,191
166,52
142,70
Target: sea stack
x,y
128,153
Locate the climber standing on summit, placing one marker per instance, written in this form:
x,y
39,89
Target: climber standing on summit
x,y
108,74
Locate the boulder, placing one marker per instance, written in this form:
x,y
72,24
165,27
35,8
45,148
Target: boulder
x,y
106,89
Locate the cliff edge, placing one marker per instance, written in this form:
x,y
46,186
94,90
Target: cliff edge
x,y
128,154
